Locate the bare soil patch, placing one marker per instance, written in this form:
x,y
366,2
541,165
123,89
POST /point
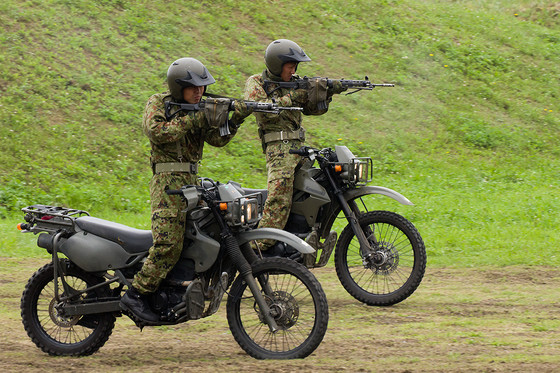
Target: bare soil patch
x,y
459,320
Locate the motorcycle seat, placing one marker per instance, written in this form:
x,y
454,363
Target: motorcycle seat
x,y
131,239
246,191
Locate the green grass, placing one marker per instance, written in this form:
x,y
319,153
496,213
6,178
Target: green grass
x,y
469,133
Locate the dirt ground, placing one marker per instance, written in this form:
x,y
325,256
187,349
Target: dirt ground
x,y
459,320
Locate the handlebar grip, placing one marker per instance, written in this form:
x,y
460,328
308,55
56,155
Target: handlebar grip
x,y
172,192
302,151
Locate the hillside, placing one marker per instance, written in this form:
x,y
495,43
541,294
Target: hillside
x,y
469,133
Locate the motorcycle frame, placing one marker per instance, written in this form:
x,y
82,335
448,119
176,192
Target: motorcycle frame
x,y
83,309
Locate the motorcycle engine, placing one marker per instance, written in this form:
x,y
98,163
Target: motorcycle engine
x,y
166,298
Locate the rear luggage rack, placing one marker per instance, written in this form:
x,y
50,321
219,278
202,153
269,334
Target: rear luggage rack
x,y
51,218
42,210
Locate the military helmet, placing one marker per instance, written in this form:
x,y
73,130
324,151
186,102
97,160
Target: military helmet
x,y
281,51
187,72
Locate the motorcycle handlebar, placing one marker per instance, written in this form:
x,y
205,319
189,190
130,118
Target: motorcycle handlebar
x,y
302,151
172,192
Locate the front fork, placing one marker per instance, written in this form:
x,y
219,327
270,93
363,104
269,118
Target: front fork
x,y
243,265
372,256
368,243
351,211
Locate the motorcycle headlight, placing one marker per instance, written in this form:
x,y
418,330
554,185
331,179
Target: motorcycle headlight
x,y
243,211
250,211
360,170
356,171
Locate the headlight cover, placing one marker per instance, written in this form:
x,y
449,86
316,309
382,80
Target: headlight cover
x,y
244,211
363,168
358,171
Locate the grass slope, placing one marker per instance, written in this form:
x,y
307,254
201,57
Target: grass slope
x,y
469,133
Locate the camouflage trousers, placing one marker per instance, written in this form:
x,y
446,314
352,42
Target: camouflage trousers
x,y
168,230
280,167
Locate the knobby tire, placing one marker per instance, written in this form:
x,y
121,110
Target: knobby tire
x,y
304,319
53,333
399,278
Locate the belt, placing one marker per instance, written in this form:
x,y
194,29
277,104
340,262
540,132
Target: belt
x,y
191,168
284,135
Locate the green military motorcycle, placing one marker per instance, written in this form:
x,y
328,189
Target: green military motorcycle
x,y
380,257
276,308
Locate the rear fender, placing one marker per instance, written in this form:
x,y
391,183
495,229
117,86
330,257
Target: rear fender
x,y
275,234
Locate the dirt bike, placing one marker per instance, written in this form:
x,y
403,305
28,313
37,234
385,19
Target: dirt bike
x,y
275,307
380,257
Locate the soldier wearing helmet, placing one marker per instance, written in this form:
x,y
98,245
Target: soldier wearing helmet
x,y
176,148
281,132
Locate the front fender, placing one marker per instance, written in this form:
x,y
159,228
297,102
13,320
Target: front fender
x,y
352,194
275,234
363,191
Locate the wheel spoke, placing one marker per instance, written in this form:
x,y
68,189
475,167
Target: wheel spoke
x,y
295,310
399,256
51,330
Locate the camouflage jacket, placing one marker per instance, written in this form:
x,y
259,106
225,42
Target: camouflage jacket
x,y
286,120
181,138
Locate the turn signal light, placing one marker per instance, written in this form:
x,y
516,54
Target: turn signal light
x,y
337,168
223,206
19,227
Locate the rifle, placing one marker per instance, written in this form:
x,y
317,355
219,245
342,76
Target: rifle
x,y
173,108
304,83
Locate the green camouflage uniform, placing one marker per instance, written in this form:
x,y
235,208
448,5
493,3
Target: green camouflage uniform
x,y
180,139
279,163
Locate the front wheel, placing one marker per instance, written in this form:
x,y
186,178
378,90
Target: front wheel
x,y
51,330
398,264
297,303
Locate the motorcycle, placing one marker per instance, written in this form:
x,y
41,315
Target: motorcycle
x,y
276,308
380,257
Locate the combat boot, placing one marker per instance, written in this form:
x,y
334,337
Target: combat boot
x,y
137,303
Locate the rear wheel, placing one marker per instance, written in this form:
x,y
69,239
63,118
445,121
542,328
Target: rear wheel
x,y
297,303
47,326
397,268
